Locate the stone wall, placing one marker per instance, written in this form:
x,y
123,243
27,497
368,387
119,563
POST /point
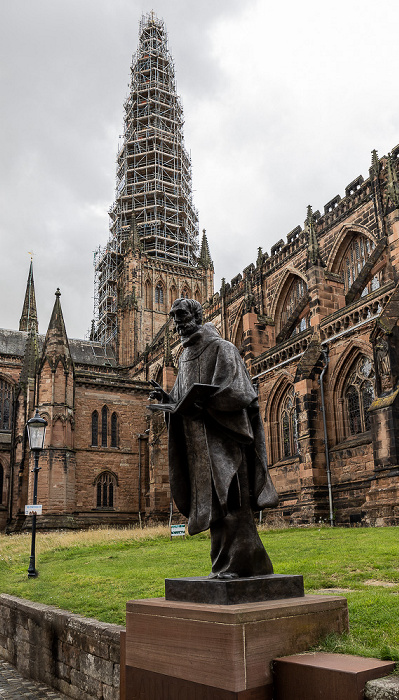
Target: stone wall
x,y
77,656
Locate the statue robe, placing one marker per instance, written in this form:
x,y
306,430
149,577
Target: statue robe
x,y
217,455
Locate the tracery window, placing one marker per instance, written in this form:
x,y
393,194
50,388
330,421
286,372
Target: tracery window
x,y
288,422
104,490
295,293
148,294
5,405
94,428
185,294
159,295
353,261
359,394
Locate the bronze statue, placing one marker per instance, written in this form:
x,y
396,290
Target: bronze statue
x,y
217,453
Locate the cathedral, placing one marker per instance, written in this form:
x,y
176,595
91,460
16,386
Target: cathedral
x,y
316,323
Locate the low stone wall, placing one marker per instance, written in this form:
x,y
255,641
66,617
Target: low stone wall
x,y
77,656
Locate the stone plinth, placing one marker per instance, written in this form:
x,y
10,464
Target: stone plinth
x,y
327,676
201,589
219,652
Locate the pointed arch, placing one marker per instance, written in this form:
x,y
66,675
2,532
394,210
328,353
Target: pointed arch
x,y
94,429
172,293
105,485
281,437
114,429
104,426
159,295
237,330
351,387
148,297
6,403
197,295
292,288
342,240
185,292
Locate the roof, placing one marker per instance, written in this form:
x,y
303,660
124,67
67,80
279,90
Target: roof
x,y
83,352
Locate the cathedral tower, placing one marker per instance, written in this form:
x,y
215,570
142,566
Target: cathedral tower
x,y
153,223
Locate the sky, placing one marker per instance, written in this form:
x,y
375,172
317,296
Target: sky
x,y
283,104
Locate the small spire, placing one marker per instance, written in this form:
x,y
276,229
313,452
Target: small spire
x,y
56,344
205,259
392,182
259,259
314,257
375,163
28,318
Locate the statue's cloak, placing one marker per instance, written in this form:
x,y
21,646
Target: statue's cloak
x,y
208,451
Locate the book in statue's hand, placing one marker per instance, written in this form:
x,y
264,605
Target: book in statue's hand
x,y
197,393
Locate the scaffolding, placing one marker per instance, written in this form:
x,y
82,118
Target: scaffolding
x,y
153,178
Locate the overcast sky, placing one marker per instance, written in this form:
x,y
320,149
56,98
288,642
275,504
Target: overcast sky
x,y
283,103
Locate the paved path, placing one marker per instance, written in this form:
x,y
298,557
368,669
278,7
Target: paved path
x,y
14,687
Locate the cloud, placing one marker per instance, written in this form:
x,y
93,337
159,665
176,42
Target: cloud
x,y
283,104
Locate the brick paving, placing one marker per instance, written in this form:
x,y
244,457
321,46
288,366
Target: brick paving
x,y
14,687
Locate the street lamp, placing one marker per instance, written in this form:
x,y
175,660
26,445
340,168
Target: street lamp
x,y
36,428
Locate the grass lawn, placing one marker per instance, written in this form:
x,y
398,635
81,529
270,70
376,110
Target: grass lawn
x,y
94,573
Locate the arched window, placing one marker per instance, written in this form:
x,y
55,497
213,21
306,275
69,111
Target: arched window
x,y
104,426
114,430
172,294
359,395
1,483
105,490
353,261
287,321
197,295
5,405
159,295
288,425
185,293
94,428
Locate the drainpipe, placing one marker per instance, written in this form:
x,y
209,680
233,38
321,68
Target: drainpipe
x,y
323,410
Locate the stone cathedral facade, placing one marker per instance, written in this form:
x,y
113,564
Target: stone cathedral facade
x,y
316,323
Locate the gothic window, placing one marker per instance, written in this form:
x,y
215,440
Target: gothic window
x,y
1,483
104,426
172,294
197,295
5,405
159,295
94,428
294,295
359,395
185,293
288,422
104,490
353,261
114,430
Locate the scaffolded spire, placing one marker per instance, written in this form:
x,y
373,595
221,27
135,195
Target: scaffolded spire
x,y
28,319
153,174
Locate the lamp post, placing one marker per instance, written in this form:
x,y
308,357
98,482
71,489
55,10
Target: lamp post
x,y
36,428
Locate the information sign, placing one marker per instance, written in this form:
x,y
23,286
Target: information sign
x,y
177,530
29,510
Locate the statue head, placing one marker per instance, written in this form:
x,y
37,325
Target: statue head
x,y
186,315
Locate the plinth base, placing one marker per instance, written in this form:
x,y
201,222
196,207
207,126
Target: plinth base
x,y
201,589
177,650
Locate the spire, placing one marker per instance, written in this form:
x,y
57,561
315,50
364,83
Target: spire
x,y
56,346
29,363
205,259
314,257
392,182
28,319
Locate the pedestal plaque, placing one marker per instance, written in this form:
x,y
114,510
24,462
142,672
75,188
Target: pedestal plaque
x,y
178,650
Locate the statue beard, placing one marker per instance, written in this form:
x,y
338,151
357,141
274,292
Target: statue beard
x,y
186,330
